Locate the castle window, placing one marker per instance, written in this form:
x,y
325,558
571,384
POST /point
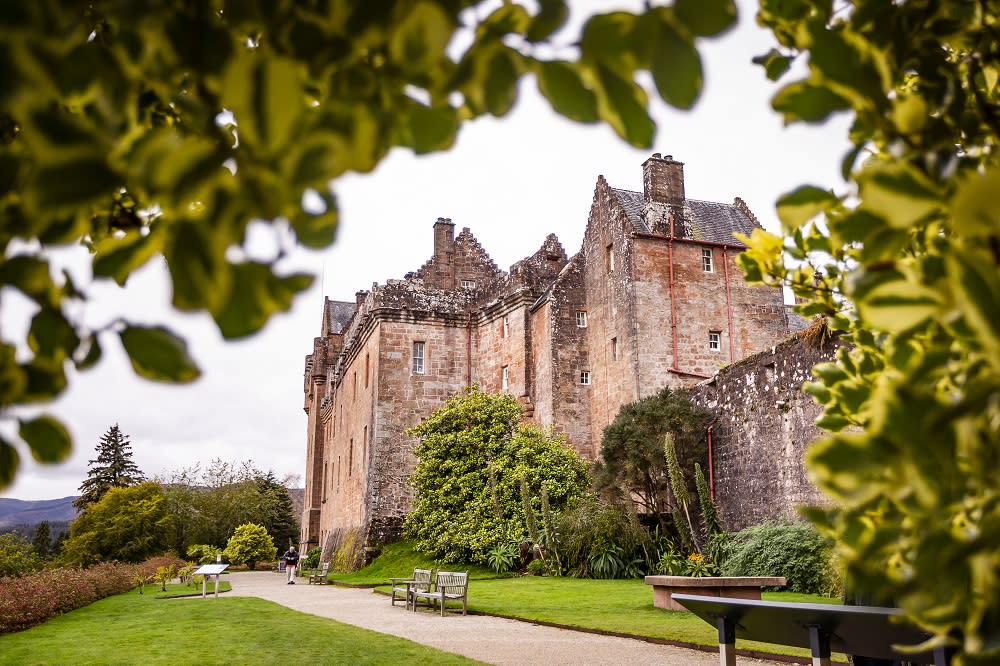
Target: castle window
x,y
706,260
367,368
610,258
418,358
715,340
468,284
581,318
585,377
506,327
350,458
505,378
614,349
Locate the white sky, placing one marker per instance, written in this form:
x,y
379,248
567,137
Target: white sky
x,y
511,181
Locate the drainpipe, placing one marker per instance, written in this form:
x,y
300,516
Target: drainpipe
x,y
673,309
711,476
729,304
468,350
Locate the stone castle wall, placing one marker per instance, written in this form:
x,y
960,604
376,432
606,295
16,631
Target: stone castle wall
x,y
762,428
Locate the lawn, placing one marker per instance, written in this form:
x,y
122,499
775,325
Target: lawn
x,y
623,607
143,629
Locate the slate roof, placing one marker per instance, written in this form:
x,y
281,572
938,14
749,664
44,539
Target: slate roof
x,y
705,220
338,313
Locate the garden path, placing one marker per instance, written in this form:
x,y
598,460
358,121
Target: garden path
x,y
489,639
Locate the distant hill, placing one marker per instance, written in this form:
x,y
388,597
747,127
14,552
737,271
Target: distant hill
x,y
32,512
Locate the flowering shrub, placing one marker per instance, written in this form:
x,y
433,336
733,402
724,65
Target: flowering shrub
x,y
32,599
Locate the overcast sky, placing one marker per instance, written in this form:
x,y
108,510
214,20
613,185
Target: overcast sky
x,y
511,181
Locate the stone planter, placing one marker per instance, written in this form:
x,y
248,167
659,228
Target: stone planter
x,y
737,587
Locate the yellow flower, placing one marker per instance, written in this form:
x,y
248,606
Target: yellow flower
x,y
695,557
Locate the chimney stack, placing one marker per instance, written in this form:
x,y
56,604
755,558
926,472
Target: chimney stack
x,y
444,253
663,180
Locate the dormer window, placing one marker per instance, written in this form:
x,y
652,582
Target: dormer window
x,y
468,284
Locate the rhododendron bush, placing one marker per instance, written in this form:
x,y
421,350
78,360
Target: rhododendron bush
x,y
32,599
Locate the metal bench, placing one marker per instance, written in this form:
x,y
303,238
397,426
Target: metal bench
x,y
419,581
871,631
448,586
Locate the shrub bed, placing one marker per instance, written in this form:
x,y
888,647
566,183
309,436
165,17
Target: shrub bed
x,y
36,597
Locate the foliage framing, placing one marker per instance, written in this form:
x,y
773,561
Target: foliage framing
x,y
905,262
111,136
456,515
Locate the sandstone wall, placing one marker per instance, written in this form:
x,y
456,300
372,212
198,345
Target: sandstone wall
x,y
762,428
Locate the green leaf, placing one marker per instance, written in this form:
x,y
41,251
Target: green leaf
x,y
47,438
850,63
676,67
316,229
551,16
889,302
158,354
623,106
428,129
45,379
12,378
802,204
500,91
119,257
419,41
560,82
898,193
196,259
67,186
51,335
774,63
9,461
30,275
976,288
807,102
607,42
706,17
257,294
92,355
975,208
267,98
506,19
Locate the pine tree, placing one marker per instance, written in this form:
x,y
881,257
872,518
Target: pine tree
x,y
42,541
113,468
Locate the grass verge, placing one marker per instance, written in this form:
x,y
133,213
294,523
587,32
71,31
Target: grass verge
x,y
140,629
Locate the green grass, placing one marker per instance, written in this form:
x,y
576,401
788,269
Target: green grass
x,y
141,629
177,590
398,561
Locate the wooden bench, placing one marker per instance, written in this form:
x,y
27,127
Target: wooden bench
x,y
448,586
739,587
419,581
318,576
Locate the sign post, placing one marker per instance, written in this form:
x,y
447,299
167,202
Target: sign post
x,y
207,570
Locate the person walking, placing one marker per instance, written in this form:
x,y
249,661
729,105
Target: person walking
x,y
291,558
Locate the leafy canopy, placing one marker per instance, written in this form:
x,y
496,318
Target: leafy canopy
x,y
906,262
127,524
250,544
472,455
633,461
161,129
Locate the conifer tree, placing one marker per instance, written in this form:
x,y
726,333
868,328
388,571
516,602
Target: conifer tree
x,y
42,541
113,468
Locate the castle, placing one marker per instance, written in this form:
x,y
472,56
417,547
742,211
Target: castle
x,y
652,298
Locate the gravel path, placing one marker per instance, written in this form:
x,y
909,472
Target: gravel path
x,y
486,638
